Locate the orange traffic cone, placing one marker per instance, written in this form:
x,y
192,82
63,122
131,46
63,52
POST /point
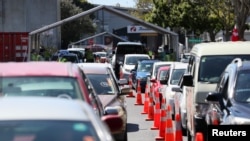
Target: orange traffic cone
x,y
169,132
146,98
138,95
150,109
130,84
162,125
157,112
178,130
199,136
146,102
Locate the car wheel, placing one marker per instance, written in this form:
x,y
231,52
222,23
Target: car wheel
x,y
184,131
189,137
123,136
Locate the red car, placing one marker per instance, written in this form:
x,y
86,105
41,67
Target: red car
x,y
110,91
52,79
156,82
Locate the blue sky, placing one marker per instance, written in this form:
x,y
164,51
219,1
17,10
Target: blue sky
x,y
123,3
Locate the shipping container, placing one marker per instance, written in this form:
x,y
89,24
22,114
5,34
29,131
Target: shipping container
x,y
13,46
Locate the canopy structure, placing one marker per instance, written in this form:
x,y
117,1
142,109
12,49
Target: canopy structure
x,y
96,35
34,35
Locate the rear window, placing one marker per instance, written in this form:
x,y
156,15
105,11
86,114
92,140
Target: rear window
x,y
41,86
47,130
130,49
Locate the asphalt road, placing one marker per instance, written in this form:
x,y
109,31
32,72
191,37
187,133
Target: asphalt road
x,y
138,128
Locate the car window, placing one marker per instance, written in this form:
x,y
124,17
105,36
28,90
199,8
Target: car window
x,y
176,76
162,75
130,49
242,88
41,86
157,69
144,67
134,59
102,83
218,63
45,130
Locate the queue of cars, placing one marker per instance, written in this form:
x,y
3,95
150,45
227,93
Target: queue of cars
x,y
129,63
111,93
55,80
53,119
205,66
203,89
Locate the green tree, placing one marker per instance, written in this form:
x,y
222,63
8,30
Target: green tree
x,y
184,14
72,31
143,9
223,11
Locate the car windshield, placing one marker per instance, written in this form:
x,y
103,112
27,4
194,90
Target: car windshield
x,y
163,74
46,130
242,87
157,68
102,83
176,76
132,60
145,67
41,86
130,49
211,67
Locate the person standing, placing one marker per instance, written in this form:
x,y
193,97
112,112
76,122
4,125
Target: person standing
x,y
89,55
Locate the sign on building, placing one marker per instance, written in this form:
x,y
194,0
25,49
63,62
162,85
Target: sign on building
x,y
138,29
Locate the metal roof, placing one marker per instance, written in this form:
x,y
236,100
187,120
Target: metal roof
x,y
221,48
101,7
43,108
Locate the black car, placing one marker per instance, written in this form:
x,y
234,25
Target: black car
x,y
69,57
230,103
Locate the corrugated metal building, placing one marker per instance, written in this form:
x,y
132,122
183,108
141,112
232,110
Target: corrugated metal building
x,y
18,18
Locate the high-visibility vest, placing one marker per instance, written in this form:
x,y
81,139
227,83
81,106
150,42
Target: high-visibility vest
x,y
33,57
62,60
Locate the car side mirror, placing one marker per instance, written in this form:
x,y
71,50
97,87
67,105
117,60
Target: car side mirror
x,y
153,80
213,97
164,82
187,80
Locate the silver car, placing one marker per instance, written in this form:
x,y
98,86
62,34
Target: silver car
x,y
55,119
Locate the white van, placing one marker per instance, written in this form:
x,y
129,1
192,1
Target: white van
x,y
206,63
